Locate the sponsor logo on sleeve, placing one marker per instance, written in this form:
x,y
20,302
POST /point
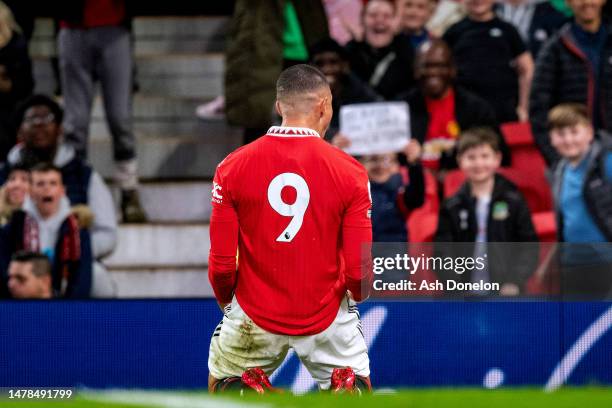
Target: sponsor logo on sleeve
x,y
216,193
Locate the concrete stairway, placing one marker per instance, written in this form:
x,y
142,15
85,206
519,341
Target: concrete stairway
x,y
180,64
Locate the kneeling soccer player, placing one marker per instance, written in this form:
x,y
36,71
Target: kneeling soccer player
x,y
298,211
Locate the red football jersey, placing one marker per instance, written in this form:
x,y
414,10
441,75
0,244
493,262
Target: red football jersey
x,y
298,209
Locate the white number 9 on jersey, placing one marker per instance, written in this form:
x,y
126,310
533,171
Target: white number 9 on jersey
x,y
295,210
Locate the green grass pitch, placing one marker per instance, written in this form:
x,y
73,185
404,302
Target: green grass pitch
x,y
589,397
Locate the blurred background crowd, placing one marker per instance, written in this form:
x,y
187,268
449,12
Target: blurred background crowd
x,y
509,103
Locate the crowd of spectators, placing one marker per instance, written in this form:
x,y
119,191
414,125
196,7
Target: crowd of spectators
x,y
465,69
53,204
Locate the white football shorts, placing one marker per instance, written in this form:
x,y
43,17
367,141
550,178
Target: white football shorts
x,y
238,344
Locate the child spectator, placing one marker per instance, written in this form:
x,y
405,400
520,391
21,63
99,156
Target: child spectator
x,y
574,66
29,276
582,187
392,198
415,15
14,192
488,208
346,88
582,182
439,110
536,21
46,225
382,59
492,60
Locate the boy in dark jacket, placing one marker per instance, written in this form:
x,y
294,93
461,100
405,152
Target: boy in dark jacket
x,y
488,208
582,188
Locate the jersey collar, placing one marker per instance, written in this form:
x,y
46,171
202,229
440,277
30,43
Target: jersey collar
x,y
288,131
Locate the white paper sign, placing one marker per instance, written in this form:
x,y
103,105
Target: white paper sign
x,y
374,128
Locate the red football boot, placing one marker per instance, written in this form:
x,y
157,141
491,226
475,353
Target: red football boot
x,y
343,381
256,379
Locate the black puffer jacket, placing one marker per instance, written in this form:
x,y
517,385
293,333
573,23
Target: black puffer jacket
x,y
564,74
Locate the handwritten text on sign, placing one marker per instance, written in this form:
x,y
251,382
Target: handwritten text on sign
x,y
374,128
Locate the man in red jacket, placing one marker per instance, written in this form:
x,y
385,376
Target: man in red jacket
x,y
298,211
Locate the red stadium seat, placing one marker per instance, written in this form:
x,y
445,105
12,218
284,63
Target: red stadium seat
x,y
545,225
525,154
423,221
452,181
533,185
517,134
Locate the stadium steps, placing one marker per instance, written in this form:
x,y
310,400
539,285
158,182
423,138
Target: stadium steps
x,y
171,142
153,35
179,64
177,202
167,257
161,260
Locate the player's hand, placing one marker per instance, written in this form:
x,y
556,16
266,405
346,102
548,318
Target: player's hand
x,y
413,151
350,295
340,141
509,289
522,113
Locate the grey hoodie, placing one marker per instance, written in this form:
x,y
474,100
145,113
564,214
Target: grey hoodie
x,y
104,228
48,229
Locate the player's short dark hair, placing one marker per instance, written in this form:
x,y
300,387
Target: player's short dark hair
x,y
39,100
40,263
328,45
298,80
46,167
478,136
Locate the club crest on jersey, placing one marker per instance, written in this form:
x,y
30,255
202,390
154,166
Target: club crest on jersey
x,y
216,196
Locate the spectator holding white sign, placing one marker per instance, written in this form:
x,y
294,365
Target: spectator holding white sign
x,y
373,128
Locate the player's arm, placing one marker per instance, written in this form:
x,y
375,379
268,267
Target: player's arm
x,y
223,242
357,240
